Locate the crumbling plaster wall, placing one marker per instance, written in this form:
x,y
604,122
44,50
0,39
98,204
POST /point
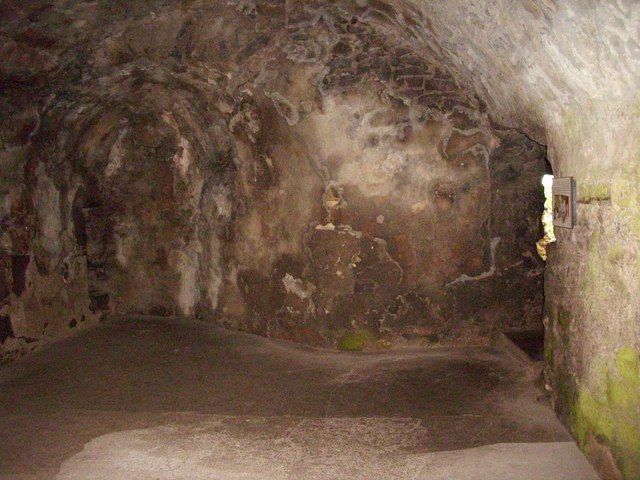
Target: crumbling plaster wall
x,y
261,77
285,169
567,73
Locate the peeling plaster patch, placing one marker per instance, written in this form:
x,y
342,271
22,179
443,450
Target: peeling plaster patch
x,y
183,159
374,174
382,244
351,123
285,107
116,155
332,196
215,272
489,273
124,242
47,201
296,286
374,145
186,264
328,226
420,206
215,202
349,230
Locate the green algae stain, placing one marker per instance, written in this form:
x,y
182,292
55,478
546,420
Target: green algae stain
x,y
591,416
625,194
594,192
564,318
617,253
603,269
615,416
355,341
548,351
628,363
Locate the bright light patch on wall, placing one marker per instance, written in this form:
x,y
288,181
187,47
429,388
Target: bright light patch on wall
x,y
547,217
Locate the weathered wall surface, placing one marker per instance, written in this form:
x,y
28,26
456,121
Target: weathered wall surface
x,y
567,73
283,169
318,174
592,311
573,84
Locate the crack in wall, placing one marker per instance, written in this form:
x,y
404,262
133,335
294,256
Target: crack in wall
x,y
464,278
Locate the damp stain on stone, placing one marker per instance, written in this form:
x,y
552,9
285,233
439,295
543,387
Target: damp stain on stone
x,y
355,341
6,329
19,265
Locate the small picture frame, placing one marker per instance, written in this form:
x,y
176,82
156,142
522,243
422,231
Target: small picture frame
x,y
564,202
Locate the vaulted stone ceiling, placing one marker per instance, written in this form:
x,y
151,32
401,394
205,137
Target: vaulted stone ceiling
x,y
349,173
532,60
527,59
170,142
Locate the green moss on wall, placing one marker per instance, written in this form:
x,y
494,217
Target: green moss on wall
x,y
549,350
356,340
612,417
594,192
566,395
590,416
617,253
599,395
625,194
564,318
602,272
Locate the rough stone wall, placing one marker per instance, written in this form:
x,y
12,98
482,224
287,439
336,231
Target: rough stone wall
x,y
283,168
567,73
592,312
262,147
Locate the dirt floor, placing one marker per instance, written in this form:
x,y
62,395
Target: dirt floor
x,y
173,399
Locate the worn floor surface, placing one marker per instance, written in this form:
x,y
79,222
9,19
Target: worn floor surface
x,y
159,399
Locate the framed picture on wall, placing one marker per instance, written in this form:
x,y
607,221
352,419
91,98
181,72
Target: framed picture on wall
x,y
564,202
